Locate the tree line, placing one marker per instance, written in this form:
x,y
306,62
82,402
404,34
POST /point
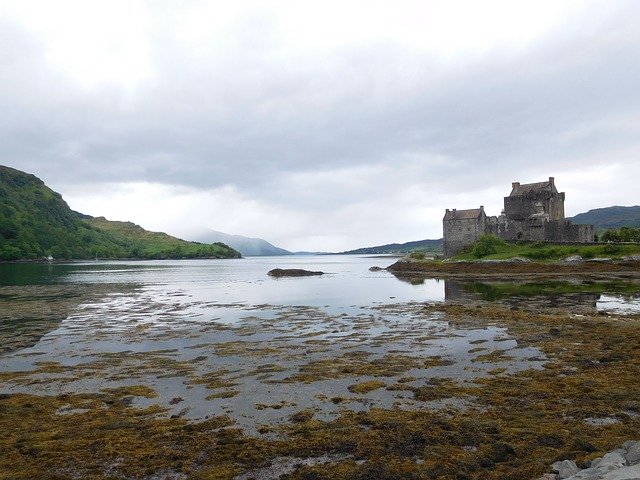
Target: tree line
x,y
623,234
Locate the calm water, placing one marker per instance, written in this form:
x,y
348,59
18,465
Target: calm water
x,y
347,282
220,336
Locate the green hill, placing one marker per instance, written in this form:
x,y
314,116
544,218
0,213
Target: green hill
x,y
427,246
36,222
610,217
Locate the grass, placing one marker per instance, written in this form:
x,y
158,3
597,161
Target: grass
x,y
547,252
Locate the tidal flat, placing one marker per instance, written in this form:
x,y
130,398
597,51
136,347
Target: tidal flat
x,y
113,380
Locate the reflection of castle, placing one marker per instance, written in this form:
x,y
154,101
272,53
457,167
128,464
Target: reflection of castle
x,y
459,292
532,212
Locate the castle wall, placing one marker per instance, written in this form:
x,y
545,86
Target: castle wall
x,y
522,207
566,231
460,233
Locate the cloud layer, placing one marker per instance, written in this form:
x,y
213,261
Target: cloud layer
x,y
320,126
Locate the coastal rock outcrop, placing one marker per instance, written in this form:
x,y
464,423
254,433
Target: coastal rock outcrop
x,y
292,272
620,464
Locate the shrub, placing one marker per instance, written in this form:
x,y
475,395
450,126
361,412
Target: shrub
x,y
486,245
417,255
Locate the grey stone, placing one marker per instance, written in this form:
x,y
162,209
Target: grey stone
x,y
599,422
629,443
612,459
625,473
633,454
565,468
573,258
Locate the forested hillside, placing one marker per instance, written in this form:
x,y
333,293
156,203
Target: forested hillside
x,y
610,217
36,222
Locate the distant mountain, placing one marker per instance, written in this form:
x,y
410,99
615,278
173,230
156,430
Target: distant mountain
x,y
432,246
247,246
610,217
36,222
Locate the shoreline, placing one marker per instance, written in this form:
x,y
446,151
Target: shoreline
x,y
516,269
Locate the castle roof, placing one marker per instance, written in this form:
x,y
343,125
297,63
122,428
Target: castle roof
x,y
463,214
518,190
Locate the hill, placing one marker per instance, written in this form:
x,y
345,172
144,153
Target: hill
x,y
428,246
36,222
610,217
247,246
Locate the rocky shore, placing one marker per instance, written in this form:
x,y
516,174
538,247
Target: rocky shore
x,y
620,464
519,267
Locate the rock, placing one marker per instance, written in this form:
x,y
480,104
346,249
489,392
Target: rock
x,y
506,260
521,260
625,473
633,454
620,464
375,269
612,459
565,468
573,258
631,258
292,272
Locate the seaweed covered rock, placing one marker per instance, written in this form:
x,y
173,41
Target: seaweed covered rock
x,y
292,272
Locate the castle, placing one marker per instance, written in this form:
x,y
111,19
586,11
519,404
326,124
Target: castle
x,y
533,212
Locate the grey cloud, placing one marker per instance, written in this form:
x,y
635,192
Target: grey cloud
x,y
248,117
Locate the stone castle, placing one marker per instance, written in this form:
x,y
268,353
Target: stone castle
x,y
533,212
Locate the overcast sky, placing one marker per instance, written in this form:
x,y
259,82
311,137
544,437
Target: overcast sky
x,y
324,125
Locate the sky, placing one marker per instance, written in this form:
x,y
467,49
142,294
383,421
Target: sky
x,y
324,125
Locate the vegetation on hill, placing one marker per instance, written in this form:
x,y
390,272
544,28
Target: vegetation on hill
x,y
426,246
36,222
141,243
624,234
610,217
494,248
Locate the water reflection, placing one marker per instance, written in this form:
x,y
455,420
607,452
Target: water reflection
x,y
520,295
586,296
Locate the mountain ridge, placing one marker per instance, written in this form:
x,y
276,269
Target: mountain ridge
x,y
431,246
613,217
247,246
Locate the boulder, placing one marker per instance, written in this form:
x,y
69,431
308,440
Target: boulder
x,y
292,272
633,453
565,468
